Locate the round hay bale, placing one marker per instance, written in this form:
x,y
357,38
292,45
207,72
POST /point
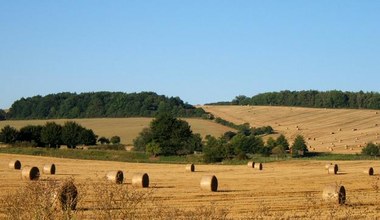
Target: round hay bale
x,y
335,194
67,195
333,169
115,176
190,167
30,173
251,164
140,180
209,183
259,166
327,166
49,169
369,171
15,164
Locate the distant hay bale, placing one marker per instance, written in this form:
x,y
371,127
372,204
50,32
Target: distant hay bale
x,y
259,166
15,164
49,169
314,148
376,113
251,164
339,129
115,176
314,139
209,183
346,147
333,169
140,180
190,167
327,166
67,195
30,173
332,132
351,148
354,129
335,194
369,171
331,149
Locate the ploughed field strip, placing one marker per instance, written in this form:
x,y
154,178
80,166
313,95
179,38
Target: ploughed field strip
x,y
279,189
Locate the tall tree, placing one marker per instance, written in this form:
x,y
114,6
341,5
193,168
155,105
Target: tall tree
x,y
299,146
51,134
8,134
71,134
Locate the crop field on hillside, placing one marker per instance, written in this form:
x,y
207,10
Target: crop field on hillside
x,y
288,189
127,128
325,130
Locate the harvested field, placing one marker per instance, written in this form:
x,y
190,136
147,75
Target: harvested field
x,y
335,130
288,189
127,128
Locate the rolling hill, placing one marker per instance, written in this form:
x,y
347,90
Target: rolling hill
x,y
126,128
336,130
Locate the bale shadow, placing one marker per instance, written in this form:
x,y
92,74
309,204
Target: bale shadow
x,y
232,190
163,187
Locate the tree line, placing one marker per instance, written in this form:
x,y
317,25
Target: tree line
x,y
167,135
311,98
50,135
99,104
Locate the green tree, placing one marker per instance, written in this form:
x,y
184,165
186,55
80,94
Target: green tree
x,y
71,134
115,140
88,137
8,135
244,145
371,149
3,115
103,140
51,134
299,146
31,133
282,141
271,143
213,150
173,135
153,149
143,139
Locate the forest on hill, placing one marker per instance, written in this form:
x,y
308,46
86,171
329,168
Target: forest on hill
x,y
311,98
98,105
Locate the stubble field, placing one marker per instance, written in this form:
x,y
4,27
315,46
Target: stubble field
x,y
288,189
325,130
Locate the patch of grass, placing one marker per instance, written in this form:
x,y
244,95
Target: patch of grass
x,y
107,155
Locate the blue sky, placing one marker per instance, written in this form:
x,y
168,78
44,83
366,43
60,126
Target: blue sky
x,y
202,51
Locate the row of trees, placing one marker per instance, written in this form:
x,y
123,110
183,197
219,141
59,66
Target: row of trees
x,y
51,135
100,104
170,136
245,127
240,146
312,98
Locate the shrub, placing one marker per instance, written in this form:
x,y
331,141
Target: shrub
x,y
115,140
371,149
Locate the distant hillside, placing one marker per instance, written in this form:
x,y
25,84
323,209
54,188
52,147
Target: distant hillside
x,y
99,105
311,98
336,130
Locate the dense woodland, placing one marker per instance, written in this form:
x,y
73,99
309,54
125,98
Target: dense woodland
x,y
99,104
312,98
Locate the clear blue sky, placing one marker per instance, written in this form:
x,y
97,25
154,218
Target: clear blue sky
x,y
202,51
